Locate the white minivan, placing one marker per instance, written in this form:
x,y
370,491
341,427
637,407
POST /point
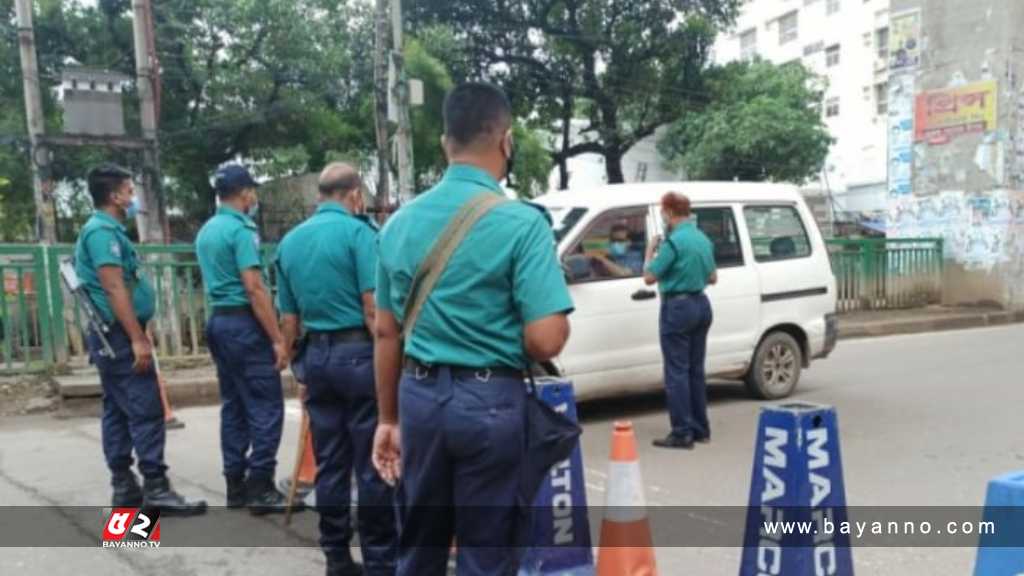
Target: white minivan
x,y
774,304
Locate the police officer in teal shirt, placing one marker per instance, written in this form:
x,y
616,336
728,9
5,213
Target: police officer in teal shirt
x,y
453,430
683,266
327,269
133,417
246,344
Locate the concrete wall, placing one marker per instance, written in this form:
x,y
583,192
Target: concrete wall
x,y
967,184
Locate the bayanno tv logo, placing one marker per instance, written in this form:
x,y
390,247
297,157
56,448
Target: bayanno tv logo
x,y
132,528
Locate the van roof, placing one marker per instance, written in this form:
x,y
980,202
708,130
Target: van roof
x,y
616,195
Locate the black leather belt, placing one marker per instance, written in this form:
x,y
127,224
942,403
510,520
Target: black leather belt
x,y
232,311
421,370
348,335
680,295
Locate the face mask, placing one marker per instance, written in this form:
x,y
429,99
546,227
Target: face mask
x,y
132,210
619,248
253,210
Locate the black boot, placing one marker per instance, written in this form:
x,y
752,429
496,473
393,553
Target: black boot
x,y
159,494
127,493
343,566
264,498
238,495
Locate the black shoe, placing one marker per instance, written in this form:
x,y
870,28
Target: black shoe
x,y
127,493
264,498
673,441
159,494
343,567
702,439
238,495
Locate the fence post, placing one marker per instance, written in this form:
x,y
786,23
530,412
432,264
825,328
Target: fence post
x,y
55,299
39,271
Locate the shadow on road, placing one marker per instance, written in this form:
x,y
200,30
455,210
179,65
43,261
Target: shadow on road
x,y
719,392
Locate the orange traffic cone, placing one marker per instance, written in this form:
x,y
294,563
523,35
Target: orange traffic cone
x,y
625,548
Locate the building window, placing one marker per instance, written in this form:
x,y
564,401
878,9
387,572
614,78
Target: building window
x,y
641,172
788,28
882,98
832,107
813,48
748,44
832,56
832,7
882,43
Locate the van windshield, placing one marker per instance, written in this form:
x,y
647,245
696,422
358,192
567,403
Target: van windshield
x,y
565,219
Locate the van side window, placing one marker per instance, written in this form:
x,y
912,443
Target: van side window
x,y
777,233
613,247
719,225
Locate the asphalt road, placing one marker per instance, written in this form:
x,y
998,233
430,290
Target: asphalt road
x,y
925,420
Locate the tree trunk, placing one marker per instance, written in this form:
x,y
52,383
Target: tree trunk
x,y
613,166
563,173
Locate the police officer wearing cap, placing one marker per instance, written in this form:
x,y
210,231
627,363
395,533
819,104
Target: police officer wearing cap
x,y
453,432
246,344
133,416
326,275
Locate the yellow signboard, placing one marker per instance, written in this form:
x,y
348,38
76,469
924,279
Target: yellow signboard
x,y
941,115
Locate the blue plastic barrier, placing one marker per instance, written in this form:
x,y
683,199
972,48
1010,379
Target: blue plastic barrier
x,y
1001,552
797,477
560,536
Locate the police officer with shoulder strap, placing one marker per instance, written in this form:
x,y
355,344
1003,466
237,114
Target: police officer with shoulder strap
x,y
458,443
133,416
246,344
326,276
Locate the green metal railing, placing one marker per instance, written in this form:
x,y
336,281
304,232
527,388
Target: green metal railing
x,y
878,274
42,326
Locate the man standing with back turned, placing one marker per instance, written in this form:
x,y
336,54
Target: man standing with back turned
x,y
246,344
133,416
458,440
326,275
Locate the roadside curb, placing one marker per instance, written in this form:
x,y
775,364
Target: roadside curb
x,y
81,399
923,325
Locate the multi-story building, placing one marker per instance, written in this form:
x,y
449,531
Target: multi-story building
x,y
846,42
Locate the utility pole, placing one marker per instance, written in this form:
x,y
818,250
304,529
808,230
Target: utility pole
x,y
152,221
400,100
380,87
42,184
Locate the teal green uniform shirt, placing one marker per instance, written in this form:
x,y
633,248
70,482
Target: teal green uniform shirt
x,y
104,241
226,245
504,275
324,267
685,261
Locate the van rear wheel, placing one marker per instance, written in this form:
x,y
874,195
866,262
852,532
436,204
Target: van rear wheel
x,y
775,371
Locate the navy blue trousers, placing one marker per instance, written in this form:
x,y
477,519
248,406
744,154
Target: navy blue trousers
x,y
684,326
342,404
463,444
252,400
133,416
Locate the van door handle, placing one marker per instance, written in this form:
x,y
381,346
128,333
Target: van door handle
x,y
644,295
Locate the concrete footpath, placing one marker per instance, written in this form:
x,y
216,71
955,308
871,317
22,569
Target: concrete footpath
x,y
196,383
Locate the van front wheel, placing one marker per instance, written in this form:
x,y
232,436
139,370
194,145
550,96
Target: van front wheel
x,y
775,370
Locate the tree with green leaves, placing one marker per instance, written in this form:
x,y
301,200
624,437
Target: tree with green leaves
x,y
762,122
636,65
